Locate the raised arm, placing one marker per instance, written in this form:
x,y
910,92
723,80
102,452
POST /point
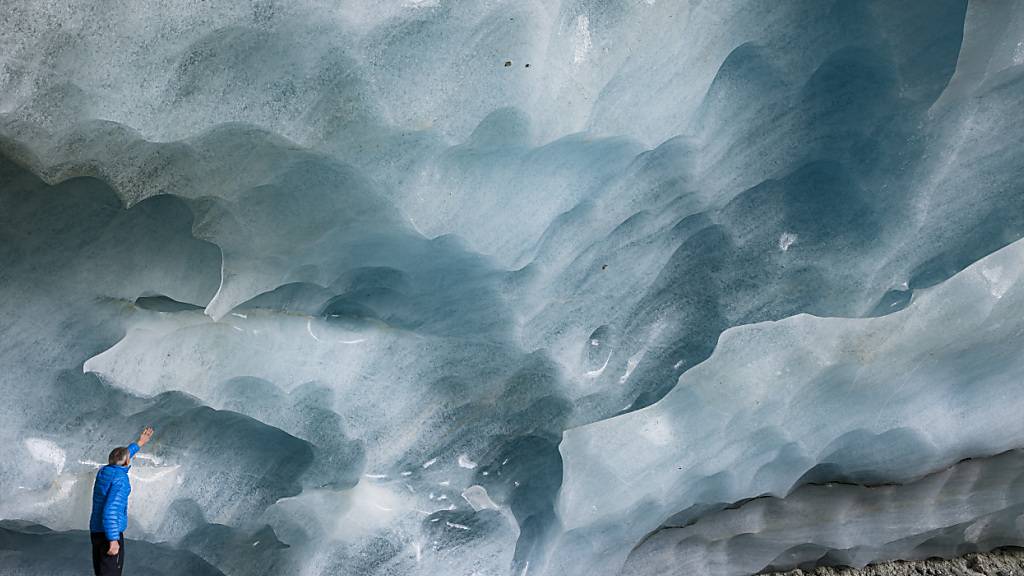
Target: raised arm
x,y
144,437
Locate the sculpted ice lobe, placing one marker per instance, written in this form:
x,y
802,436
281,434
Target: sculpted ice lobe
x,y
527,185
205,164
273,209
89,232
972,506
338,461
870,400
314,218
990,49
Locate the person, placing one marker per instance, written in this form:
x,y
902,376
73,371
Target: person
x,y
110,508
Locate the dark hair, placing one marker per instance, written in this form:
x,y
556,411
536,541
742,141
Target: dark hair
x,y
117,455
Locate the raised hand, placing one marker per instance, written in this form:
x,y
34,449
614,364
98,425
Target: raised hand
x,y
147,433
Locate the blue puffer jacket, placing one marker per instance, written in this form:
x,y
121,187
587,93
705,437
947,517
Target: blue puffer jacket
x,y
110,499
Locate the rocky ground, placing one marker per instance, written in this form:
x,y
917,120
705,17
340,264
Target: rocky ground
x,y
1004,562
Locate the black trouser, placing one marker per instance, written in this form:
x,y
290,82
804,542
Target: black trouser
x,y
103,564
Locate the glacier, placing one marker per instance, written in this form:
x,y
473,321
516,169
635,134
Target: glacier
x,y
594,287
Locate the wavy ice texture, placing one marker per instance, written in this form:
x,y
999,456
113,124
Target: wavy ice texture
x,y
362,264
809,399
974,505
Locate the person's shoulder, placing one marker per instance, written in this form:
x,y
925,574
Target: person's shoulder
x,y
119,482
111,473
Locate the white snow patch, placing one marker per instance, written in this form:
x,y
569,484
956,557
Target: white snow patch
x,y
786,240
582,43
46,451
478,498
631,365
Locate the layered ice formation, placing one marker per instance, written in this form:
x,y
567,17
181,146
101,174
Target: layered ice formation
x,y
429,287
971,506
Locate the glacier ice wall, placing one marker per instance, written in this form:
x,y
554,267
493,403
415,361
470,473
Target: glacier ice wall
x,y
436,287
811,400
974,505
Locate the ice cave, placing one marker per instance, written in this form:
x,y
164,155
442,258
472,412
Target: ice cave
x,y
514,287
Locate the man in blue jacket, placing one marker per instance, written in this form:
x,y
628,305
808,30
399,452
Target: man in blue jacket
x,y
110,508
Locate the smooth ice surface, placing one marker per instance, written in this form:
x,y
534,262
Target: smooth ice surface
x,y
504,287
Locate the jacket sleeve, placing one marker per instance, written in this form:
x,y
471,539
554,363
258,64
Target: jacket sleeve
x,y
112,509
132,449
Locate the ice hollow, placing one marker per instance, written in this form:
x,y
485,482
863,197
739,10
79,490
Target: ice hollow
x,y
436,287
